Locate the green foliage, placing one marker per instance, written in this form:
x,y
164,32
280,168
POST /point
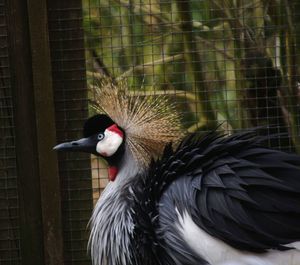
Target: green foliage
x,y
210,54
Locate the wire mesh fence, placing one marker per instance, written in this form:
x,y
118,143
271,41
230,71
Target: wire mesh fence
x,y
9,200
232,63
71,106
227,63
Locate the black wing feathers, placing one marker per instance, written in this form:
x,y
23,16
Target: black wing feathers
x,y
234,189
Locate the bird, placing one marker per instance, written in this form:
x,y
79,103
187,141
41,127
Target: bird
x,y
172,198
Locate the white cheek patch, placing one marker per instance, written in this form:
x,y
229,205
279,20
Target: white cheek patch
x,y
110,143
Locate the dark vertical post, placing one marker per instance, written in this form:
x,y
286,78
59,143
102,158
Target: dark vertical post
x,y
27,157
45,131
71,108
39,192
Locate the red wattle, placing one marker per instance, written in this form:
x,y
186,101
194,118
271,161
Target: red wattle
x,y
112,173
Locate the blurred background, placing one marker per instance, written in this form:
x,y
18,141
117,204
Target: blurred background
x,y
233,63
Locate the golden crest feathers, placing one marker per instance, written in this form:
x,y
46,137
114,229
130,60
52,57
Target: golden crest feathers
x,y
149,122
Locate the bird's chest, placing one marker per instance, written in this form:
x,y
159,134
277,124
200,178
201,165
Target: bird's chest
x,y
111,232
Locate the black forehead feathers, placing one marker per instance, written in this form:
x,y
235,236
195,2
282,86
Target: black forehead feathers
x,y
96,124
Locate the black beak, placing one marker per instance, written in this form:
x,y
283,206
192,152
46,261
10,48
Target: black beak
x,y
86,145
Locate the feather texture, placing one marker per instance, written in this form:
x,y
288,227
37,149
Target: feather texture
x,y
234,189
229,190
149,122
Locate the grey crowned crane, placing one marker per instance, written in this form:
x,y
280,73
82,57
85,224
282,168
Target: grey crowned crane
x,y
209,200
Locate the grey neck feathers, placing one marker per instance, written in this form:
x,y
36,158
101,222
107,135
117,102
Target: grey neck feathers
x,y
111,223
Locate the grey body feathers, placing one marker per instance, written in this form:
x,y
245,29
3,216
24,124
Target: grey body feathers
x,y
234,190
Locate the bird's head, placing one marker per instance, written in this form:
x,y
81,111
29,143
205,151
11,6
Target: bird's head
x,y
101,137
131,128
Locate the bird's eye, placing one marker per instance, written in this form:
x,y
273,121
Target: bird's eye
x,y
100,136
